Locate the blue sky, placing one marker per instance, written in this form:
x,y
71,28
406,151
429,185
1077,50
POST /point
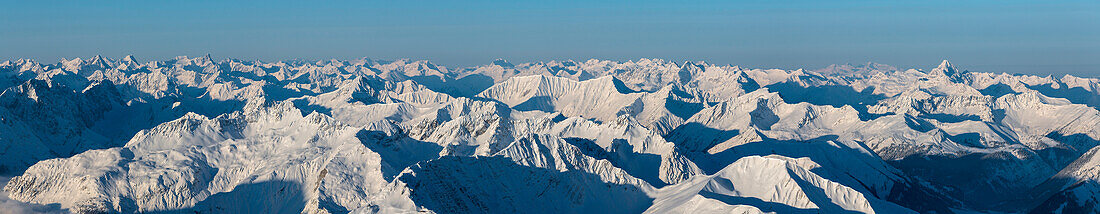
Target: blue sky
x,y
1010,36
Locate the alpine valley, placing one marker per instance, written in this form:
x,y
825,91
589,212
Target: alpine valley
x,y
199,135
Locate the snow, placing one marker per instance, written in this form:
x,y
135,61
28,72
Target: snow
x,y
648,135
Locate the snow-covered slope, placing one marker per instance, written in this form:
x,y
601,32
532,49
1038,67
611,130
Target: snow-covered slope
x,y
374,136
1075,189
602,99
771,184
273,159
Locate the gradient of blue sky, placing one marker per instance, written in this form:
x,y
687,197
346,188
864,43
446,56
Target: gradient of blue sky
x,y
1011,36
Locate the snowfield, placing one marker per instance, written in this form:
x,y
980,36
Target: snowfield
x,y
198,135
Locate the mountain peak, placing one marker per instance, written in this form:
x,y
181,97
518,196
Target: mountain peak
x,y
945,65
503,63
129,59
944,69
100,61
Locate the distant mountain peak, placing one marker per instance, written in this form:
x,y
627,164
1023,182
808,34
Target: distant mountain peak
x,y
945,69
503,63
100,61
129,58
945,66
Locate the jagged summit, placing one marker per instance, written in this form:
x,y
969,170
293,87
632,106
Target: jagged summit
x,y
99,61
130,60
944,68
945,65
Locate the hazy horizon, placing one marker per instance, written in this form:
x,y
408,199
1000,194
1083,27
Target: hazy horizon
x,y
988,36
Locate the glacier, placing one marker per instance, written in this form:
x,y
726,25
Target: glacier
x,y
200,135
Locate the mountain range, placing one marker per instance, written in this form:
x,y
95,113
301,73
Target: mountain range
x,y
186,135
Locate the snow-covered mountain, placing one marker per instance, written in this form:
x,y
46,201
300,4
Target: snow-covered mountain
x,y
203,135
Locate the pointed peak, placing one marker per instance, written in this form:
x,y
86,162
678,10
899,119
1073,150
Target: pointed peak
x,y
129,58
945,65
945,68
99,60
613,82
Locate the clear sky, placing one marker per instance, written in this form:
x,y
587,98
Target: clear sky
x,y
1039,37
